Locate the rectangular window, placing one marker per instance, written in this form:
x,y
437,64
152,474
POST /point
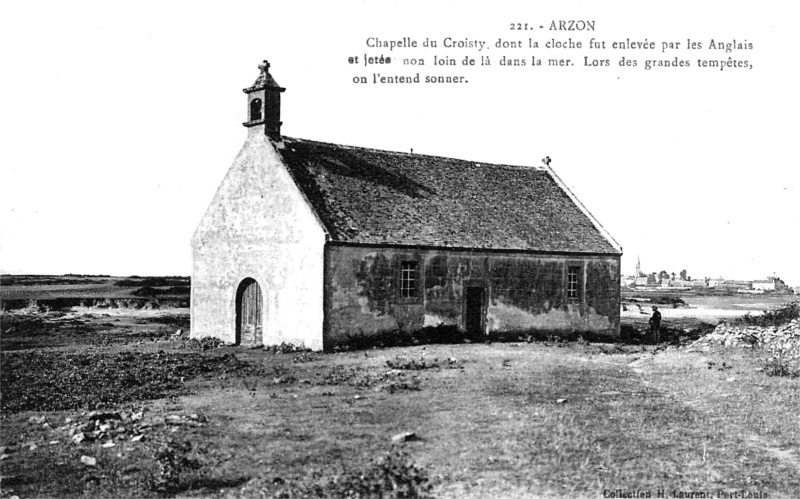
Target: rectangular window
x,y
408,279
573,283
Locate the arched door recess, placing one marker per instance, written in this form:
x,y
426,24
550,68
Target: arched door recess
x,y
249,311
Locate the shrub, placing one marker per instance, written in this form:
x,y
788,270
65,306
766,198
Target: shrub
x,y
177,320
673,301
146,291
288,348
403,384
775,317
781,368
154,282
150,291
340,375
392,476
282,376
440,335
181,465
128,283
304,357
411,364
177,463
207,343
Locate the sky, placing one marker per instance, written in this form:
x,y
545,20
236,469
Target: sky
x,y
120,119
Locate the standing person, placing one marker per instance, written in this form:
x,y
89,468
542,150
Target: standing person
x,y
655,326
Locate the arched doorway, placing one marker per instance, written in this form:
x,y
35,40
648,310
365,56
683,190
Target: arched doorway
x,y
249,311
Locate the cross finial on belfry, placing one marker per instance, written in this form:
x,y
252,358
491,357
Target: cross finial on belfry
x,y
264,66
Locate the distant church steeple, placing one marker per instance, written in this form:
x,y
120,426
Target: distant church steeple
x,y
264,103
638,266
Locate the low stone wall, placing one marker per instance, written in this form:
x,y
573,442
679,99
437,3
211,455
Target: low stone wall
x,y
782,341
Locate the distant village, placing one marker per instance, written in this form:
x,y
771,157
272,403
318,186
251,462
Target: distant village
x,y
672,281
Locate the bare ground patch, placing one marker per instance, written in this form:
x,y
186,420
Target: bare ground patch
x,y
488,420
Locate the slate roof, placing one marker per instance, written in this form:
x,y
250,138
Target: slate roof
x,y
265,80
368,196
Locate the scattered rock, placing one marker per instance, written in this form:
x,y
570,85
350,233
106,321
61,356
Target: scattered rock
x,y
783,341
561,401
89,461
173,419
404,437
78,437
103,416
36,419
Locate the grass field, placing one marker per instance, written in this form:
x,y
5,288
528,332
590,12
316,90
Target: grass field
x,y
112,403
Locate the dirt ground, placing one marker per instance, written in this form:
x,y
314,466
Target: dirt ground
x,y
119,403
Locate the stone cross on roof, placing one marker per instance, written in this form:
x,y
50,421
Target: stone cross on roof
x,y
264,66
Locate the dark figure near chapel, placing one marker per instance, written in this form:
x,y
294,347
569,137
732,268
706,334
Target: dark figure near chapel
x,y
655,326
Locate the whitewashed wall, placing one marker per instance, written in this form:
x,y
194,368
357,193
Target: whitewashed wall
x,y
259,225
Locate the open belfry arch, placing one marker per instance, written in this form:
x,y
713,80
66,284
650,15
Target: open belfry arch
x,y
316,244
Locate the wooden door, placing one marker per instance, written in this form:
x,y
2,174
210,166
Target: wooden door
x,y
249,312
473,315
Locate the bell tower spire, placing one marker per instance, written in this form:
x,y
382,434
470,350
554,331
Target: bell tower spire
x,y
264,103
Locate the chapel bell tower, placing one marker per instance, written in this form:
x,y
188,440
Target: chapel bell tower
x,y
264,103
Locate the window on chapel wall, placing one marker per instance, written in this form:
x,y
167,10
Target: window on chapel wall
x,y
255,109
573,283
408,279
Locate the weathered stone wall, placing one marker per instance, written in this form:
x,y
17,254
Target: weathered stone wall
x,y
259,226
523,292
782,341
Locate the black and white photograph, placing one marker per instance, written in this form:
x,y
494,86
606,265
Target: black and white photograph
x,y
370,249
